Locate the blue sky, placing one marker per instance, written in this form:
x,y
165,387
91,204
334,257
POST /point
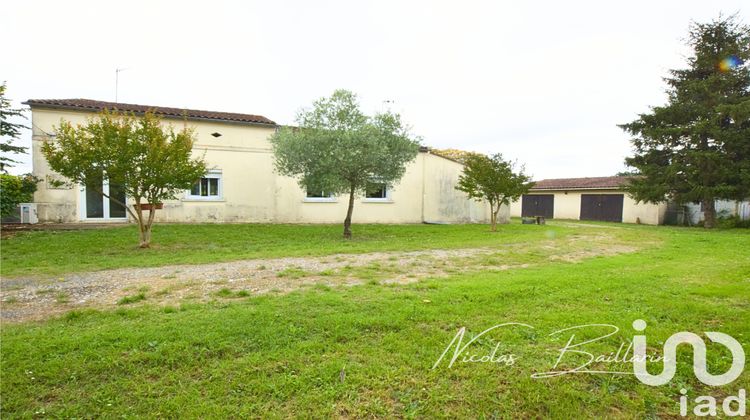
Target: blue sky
x,y
541,82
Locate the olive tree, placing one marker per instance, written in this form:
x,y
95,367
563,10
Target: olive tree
x,y
338,149
493,179
149,161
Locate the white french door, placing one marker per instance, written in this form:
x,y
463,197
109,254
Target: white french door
x,y
95,206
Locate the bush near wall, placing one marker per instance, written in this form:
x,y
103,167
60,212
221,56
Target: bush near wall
x,y
732,221
14,190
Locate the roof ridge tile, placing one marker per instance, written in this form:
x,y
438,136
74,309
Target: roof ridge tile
x,y
81,103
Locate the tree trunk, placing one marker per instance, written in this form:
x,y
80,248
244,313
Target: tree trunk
x,y
348,220
493,217
709,213
144,226
145,237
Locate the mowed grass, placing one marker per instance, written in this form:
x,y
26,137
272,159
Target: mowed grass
x,y
369,350
59,252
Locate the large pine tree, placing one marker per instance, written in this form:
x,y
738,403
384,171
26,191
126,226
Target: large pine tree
x,y
696,148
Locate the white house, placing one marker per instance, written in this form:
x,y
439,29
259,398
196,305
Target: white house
x,y
241,185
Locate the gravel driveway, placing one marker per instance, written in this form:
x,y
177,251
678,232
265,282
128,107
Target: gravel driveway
x,y
35,298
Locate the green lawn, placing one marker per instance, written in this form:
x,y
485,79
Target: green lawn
x,y
55,252
283,355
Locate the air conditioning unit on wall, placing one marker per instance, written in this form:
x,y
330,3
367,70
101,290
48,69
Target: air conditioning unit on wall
x,y
28,213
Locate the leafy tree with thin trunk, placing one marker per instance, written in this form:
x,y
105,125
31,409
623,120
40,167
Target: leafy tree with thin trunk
x,y
149,161
9,131
338,149
493,179
696,148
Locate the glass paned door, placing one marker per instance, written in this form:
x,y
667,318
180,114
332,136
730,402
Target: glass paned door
x,y
94,202
97,206
116,210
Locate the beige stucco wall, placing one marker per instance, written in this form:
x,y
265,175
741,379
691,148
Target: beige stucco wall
x,y
425,193
443,203
54,204
567,205
252,192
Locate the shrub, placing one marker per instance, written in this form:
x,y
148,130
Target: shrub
x,y
14,190
733,221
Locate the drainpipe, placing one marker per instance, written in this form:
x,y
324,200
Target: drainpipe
x,y
424,172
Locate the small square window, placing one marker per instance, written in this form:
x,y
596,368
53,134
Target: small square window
x,y
377,190
315,196
207,187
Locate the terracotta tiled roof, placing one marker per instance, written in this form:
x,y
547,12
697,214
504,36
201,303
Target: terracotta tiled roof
x,y
605,182
456,155
91,105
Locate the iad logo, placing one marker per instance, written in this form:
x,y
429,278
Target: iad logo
x,y
699,357
706,405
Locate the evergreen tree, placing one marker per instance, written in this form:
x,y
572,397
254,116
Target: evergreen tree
x,y
696,148
9,131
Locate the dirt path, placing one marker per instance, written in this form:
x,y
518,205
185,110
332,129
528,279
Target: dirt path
x,y
25,299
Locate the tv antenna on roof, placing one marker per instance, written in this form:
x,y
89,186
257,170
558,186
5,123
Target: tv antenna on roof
x,y
117,81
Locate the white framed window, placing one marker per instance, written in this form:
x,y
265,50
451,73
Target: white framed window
x,y
319,197
377,192
208,187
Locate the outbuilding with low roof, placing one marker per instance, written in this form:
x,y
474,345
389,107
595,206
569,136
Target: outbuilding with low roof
x,y
593,198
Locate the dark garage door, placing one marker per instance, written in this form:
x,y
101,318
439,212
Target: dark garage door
x,y
604,207
537,205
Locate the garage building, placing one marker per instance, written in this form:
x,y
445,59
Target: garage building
x,y
599,198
